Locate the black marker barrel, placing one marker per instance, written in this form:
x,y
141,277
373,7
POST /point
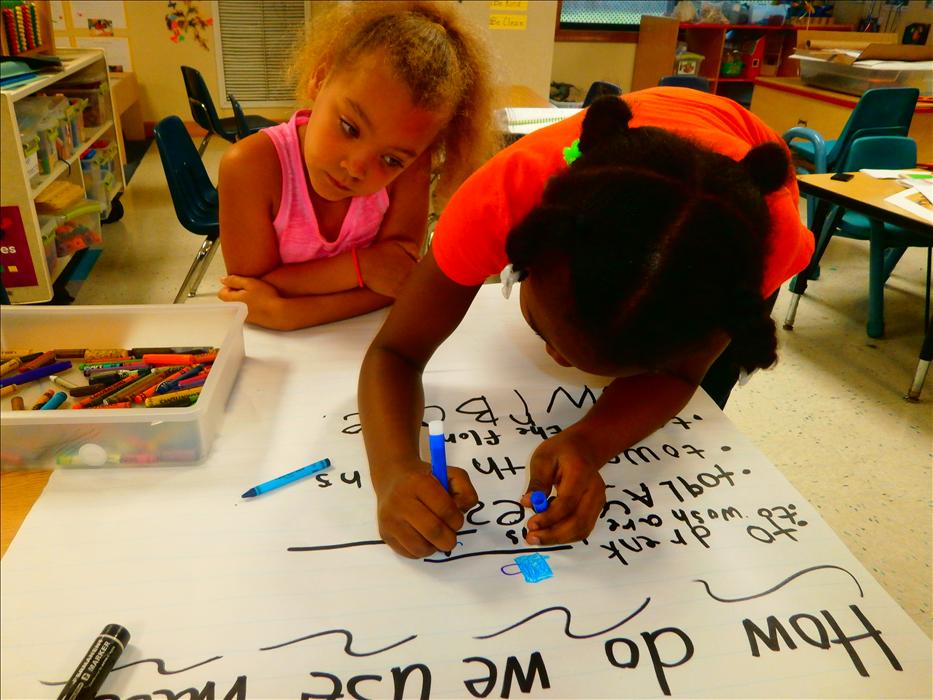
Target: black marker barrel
x,y
96,664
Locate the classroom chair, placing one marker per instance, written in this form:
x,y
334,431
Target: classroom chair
x,y
205,114
696,82
239,119
887,242
879,112
193,196
599,88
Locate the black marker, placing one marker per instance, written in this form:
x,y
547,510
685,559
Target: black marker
x,y
96,664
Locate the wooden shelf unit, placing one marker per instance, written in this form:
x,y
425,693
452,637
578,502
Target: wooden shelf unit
x,y
80,65
657,48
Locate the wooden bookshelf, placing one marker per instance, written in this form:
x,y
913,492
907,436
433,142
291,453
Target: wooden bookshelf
x,y
657,47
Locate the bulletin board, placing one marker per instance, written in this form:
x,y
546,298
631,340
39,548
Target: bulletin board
x,y
707,575
99,24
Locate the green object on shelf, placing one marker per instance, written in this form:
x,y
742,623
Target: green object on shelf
x,y
731,65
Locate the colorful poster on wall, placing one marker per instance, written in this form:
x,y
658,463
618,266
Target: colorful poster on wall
x,y
15,260
92,14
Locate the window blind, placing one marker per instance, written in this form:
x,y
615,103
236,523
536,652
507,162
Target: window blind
x,y
254,45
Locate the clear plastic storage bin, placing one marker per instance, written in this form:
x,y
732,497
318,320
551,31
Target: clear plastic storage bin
x,y
130,436
855,79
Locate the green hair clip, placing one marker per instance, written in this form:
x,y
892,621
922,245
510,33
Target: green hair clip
x,y
572,152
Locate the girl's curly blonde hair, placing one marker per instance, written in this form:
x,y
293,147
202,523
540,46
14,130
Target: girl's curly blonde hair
x,y
434,50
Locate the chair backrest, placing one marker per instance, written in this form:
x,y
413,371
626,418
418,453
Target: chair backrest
x,y
200,101
193,194
879,112
695,82
242,126
598,89
881,152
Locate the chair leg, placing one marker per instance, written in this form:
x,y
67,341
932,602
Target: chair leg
x,y
195,272
798,285
203,144
209,247
892,256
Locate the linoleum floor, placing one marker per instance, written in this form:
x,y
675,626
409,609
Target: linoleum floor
x,y
830,415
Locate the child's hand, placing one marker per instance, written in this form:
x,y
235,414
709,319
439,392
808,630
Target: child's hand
x,y
563,462
262,299
417,517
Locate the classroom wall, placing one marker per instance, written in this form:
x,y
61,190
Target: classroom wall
x,y
523,56
851,12
580,63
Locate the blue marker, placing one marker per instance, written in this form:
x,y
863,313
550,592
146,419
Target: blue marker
x,y
287,478
57,400
538,501
438,452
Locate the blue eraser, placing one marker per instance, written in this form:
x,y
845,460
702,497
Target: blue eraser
x,y
538,501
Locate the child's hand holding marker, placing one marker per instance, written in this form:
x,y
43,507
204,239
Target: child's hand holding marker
x,y
417,515
562,463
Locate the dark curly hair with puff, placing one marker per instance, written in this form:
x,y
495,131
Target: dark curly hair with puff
x,y
665,242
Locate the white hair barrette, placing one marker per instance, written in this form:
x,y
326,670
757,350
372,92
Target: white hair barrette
x,y
509,277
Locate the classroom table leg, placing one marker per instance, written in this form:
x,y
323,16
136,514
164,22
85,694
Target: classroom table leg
x,y
926,356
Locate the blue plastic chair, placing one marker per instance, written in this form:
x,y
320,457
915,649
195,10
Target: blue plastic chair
x,y
205,114
193,196
879,112
887,242
242,123
695,82
599,88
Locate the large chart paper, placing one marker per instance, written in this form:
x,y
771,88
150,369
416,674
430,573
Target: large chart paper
x,y
707,576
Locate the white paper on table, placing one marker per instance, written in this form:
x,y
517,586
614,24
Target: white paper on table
x,y
882,174
705,555
914,201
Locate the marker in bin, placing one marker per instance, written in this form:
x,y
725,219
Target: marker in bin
x,y
438,452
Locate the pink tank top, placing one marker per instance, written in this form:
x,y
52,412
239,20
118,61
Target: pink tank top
x,y
296,225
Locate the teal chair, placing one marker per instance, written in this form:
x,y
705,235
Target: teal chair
x,y
694,82
879,112
887,242
193,196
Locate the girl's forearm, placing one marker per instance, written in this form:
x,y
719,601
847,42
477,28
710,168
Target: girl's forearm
x,y
302,312
629,410
321,276
391,404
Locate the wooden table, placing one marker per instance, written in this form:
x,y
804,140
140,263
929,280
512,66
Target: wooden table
x,y
866,195
128,119
524,96
18,491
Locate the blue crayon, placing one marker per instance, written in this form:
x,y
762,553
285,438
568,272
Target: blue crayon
x,y
57,400
287,478
438,452
538,501
34,374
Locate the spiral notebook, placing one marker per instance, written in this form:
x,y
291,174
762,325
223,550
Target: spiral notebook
x,y
524,120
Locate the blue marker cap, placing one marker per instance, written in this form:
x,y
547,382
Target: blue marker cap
x,y
538,501
438,452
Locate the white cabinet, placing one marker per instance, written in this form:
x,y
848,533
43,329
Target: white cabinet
x,y
18,191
